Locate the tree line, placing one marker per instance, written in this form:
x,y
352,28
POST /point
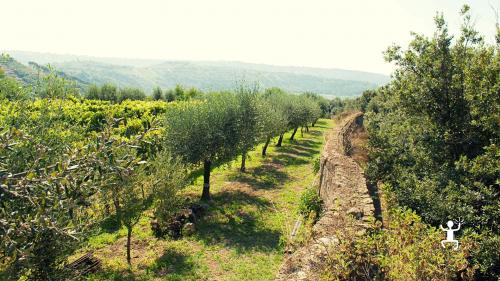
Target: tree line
x,y
112,93
230,124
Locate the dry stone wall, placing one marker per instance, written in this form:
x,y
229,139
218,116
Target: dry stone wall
x,y
347,203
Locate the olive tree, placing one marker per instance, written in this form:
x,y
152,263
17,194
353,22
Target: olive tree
x,y
157,93
310,111
295,111
204,132
108,92
272,117
249,121
143,183
301,110
280,101
323,103
129,93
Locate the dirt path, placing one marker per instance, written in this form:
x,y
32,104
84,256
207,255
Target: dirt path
x,y
348,204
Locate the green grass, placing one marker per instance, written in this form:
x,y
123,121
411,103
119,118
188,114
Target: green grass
x,y
243,235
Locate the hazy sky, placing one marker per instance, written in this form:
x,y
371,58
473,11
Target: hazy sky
x,y
320,33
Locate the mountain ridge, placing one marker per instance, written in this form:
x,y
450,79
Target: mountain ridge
x,y
207,75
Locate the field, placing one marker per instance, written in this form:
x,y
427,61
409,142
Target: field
x,y
246,228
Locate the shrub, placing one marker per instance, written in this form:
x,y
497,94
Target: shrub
x,y
405,249
433,133
310,202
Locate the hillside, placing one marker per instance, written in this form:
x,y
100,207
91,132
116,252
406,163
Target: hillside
x,y
18,70
29,74
207,75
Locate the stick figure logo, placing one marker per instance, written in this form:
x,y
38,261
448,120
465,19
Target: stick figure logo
x,y
450,236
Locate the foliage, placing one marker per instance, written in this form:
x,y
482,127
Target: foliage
x,y
405,249
249,120
227,124
59,155
317,164
107,92
204,132
137,184
272,118
68,163
43,207
10,88
165,184
302,110
323,103
310,202
54,86
336,106
242,234
434,133
157,93
129,93
179,93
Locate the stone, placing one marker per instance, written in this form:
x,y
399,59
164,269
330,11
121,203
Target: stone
x,y
355,212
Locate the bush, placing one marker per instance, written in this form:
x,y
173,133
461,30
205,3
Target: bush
x,y
405,249
310,202
433,133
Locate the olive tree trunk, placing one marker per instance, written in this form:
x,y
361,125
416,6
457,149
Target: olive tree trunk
x,y
264,149
129,237
205,195
243,162
294,132
280,140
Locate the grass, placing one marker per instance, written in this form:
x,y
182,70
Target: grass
x,y
246,228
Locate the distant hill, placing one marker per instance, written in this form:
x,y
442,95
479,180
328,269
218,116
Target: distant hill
x,y
207,75
29,74
21,72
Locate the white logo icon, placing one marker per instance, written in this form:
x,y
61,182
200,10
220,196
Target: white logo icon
x,y
450,236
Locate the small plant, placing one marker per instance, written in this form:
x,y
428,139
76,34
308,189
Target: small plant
x,y
316,164
310,202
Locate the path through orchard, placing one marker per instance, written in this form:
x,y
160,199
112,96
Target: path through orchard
x,y
244,233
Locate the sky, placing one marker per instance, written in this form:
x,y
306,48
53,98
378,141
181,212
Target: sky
x,y
349,34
